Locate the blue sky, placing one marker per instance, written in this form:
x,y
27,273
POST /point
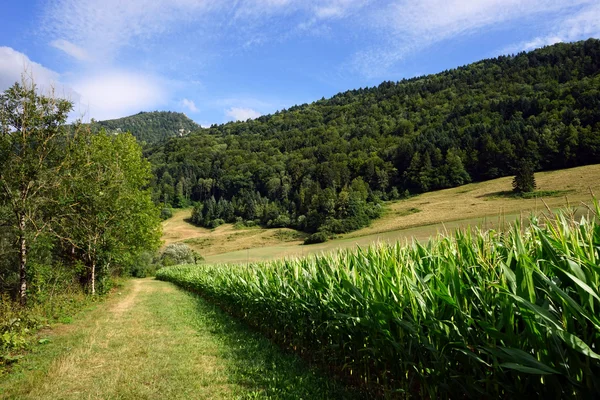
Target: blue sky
x,y
219,60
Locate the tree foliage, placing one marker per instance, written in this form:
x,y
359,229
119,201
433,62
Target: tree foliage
x,y
69,198
31,138
111,216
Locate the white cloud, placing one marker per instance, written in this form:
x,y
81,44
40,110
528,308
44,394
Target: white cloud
x,y
99,95
190,105
242,114
71,49
13,64
114,94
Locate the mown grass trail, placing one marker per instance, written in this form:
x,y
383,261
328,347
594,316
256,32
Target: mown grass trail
x,y
154,341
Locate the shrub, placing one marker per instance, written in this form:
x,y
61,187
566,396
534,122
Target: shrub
x,y
143,266
166,213
282,221
216,223
319,237
179,253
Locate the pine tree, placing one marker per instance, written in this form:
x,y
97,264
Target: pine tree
x,y
524,180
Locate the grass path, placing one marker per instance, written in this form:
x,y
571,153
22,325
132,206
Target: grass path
x,y
155,341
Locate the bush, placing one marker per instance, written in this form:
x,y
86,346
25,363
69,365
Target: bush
x,y
197,214
319,237
143,266
216,223
179,253
282,221
166,213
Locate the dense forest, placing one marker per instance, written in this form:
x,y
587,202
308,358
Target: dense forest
x,y
150,127
324,167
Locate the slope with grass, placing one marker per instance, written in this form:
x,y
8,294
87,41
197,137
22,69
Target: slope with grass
x,y
154,341
479,204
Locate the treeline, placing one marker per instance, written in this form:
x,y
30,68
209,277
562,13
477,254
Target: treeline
x,y
149,127
74,205
325,166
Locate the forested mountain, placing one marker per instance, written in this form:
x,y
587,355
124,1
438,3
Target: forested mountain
x,y
150,127
325,166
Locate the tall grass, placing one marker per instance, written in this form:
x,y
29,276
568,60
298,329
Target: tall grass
x,y
479,314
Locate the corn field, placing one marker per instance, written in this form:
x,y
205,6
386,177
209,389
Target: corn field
x,y
476,314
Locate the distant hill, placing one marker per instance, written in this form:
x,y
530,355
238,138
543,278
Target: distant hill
x,y
151,127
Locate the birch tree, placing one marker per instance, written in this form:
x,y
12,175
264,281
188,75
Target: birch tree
x,y
32,140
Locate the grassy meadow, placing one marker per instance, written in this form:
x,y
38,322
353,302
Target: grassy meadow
x,y
484,314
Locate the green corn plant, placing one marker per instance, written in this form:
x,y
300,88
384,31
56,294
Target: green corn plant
x,y
479,314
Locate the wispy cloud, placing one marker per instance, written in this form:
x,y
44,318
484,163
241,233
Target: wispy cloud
x,y
242,114
190,105
413,25
70,49
100,95
84,27
104,27
581,25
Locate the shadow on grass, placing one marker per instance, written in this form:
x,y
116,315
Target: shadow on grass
x,y
189,221
261,367
509,194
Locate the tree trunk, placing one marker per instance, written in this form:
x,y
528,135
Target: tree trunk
x,y
22,261
93,277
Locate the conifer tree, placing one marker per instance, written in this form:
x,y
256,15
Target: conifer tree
x,y
524,180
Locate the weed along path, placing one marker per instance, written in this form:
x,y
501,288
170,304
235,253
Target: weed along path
x,y
155,341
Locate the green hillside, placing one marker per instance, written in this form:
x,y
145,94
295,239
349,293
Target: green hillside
x,y
326,166
151,127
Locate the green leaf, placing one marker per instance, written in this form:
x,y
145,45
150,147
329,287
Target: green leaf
x,y
576,344
525,369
